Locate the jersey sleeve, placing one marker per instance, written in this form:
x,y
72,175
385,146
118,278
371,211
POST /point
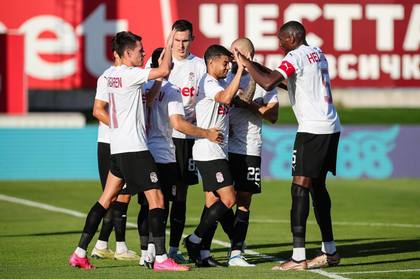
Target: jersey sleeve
x,y
137,76
175,105
211,88
101,89
271,96
288,66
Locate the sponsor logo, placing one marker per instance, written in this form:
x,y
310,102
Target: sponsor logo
x,y
153,177
219,177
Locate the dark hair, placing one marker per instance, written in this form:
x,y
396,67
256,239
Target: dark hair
x,y
124,40
183,25
294,27
216,51
155,57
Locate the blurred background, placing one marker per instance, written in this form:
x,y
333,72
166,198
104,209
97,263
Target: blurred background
x,y
53,51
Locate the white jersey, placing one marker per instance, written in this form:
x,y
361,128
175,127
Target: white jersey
x,y
309,87
186,75
167,102
126,109
211,114
245,125
102,95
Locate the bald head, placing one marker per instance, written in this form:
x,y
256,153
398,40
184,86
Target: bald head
x,y
244,45
294,29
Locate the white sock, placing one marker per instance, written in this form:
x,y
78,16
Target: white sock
x,y
151,251
101,245
81,253
328,247
173,250
235,253
161,258
143,253
299,254
195,239
121,247
204,254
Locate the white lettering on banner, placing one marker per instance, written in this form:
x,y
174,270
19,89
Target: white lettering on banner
x,y
412,37
390,64
368,67
259,25
226,28
302,11
64,43
385,15
3,28
344,63
95,28
343,15
411,66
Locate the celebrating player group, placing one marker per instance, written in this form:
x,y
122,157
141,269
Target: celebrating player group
x,y
163,121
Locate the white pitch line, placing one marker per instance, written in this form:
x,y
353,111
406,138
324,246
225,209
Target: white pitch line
x,y
339,223
380,271
132,225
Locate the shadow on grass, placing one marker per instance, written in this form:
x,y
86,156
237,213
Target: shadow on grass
x,y
347,249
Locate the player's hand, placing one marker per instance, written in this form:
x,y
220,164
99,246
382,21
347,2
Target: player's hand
x,y
170,39
237,56
215,135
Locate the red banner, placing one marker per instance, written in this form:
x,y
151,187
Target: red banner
x,y
369,43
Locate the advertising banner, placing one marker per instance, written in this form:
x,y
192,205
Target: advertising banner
x,y
368,43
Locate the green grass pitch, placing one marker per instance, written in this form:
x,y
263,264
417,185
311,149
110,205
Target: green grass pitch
x,y
376,227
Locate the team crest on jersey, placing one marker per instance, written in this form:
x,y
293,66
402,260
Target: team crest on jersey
x,y
153,177
191,76
219,177
174,190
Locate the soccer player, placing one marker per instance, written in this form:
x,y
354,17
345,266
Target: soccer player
x,y
166,111
315,149
116,215
131,160
212,107
186,74
245,122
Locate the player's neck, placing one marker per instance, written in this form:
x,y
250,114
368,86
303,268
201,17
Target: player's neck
x,y
179,57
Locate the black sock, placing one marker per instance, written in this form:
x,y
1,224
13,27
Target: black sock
x,y
178,211
143,226
299,214
208,237
322,208
106,226
240,229
157,225
93,220
214,213
119,219
227,222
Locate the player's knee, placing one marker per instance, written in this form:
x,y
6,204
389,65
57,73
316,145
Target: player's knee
x,y
124,198
229,201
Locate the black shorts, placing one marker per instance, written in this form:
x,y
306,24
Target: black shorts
x,y
246,172
215,174
314,155
186,164
138,169
104,161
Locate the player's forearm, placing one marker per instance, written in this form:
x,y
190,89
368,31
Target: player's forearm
x,y
226,96
263,78
249,92
267,112
185,127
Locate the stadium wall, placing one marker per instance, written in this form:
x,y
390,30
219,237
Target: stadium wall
x,y
364,152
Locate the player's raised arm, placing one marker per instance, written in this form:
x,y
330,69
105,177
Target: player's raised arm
x,y
265,77
226,96
164,68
